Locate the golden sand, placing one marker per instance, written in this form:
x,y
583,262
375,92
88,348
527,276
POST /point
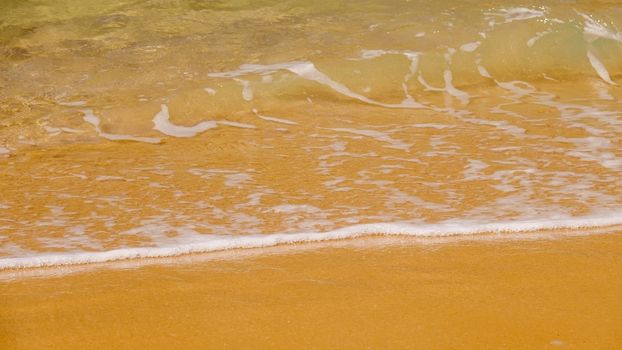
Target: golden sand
x,y
483,293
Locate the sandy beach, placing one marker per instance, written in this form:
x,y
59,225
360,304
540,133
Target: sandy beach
x,y
386,293
295,174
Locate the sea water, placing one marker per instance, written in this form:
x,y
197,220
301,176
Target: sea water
x,y
157,128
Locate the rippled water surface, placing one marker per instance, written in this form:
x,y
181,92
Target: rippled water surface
x,y
148,128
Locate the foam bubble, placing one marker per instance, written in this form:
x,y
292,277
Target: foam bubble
x,y
470,47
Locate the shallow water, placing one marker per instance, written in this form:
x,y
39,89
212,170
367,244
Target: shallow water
x,y
151,128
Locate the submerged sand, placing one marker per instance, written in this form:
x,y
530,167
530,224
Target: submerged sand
x,y
469,293
143,128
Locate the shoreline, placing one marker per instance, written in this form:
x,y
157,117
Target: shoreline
x,y
215,243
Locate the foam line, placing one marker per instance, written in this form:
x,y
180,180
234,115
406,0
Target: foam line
x,y
92,119
532,41
451,89
209,243
599,67
277,120
162,123
308,71
247,91
236,124
274,119
520,14
378,135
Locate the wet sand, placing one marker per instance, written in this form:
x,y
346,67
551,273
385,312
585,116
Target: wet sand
x,y
468,293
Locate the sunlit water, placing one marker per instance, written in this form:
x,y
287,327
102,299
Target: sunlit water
x,y
151,128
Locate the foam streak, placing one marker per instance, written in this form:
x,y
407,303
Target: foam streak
x,y
209,243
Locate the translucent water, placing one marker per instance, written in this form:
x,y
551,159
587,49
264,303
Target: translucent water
x,y
156,128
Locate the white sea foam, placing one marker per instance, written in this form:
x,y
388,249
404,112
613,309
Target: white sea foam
x,y
294,208
599,67
515,14
162,123
277,120
481,69
52,130
197,243
307,70
470,47
235,180
236,124
602,90
413,57
247,91
592,30
452,90
109,178
594,149
72,103
521,14
371,54
518,87
473,170
378,135
449,88
92,119
433,126
537,37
